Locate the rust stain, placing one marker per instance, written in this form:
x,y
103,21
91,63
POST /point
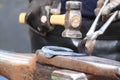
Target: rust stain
x,y
77,64
20,69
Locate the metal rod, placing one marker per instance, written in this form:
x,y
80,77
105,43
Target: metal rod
x,y
104,27
93,26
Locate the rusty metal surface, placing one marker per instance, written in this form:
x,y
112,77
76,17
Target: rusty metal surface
x,y
91,65
24,67
17,66
43,72
90,77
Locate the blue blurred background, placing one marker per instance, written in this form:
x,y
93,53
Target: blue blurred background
x,y
13,36
2,78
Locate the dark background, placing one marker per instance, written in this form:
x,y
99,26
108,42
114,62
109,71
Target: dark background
x,y
13,36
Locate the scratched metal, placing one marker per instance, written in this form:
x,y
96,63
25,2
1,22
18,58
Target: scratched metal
x,y
96,66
